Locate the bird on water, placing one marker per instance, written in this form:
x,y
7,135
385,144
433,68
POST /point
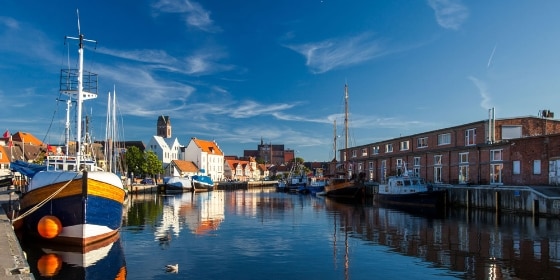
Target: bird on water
x,y
174,268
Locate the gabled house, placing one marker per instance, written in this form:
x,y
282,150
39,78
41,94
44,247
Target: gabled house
x,y
166,149
244,170
207,155
183,168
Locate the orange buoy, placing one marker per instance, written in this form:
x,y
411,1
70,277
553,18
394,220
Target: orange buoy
x,y
49,265
49,227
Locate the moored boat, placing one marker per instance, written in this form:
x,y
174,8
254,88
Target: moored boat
x,y
177,184
408,189
347,185
71,200
202,183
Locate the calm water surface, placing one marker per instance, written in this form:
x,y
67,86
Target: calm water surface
x,y
263,234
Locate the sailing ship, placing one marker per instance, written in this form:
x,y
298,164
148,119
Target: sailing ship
x,y
69,199
346,185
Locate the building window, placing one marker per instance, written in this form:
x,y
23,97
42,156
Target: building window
x,y
389,148
371,165
404,145
496,155
496,173
444,139
516,167
360,167
364,152
463,174
437,160
437,174
416,161
463,157
384,170
399,162
470,137
537,167
422,142
354,153
375,150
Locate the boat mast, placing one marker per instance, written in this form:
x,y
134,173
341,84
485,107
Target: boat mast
x,y
81,94
334,141
346,128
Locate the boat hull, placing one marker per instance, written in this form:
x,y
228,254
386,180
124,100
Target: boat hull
x,y
178,185
202,183
347,189
420,199
90,208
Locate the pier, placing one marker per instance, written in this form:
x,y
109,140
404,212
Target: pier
x,y
13,263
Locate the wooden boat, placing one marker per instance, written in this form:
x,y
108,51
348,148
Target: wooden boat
x,y
72,200
345,185
409,190
202,183
176,184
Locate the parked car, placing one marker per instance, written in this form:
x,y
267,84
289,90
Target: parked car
x,y
147,181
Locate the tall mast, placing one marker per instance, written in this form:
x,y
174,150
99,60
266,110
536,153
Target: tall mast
x,y
79,93
334,141
345,124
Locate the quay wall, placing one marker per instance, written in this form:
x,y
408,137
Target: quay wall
x,y
530,200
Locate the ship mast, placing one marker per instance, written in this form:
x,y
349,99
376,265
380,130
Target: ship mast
x,y
79,93
346,129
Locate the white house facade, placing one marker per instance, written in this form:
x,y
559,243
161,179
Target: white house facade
x,y
166,149
207,156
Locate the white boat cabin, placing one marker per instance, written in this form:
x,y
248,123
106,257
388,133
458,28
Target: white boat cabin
x,y
404,184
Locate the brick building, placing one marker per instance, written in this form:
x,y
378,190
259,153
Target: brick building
x,y
512,151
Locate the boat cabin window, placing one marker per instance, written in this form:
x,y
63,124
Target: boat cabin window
x,y
407,182
399,183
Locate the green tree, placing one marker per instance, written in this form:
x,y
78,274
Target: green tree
x,y
134,160
152,164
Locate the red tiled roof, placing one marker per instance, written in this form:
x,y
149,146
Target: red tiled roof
x,y
209,147
185,166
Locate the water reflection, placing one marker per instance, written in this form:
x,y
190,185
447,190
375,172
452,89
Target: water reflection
x,y
475,244
104,260
259,233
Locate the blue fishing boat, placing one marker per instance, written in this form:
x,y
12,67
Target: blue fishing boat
x,y
202,183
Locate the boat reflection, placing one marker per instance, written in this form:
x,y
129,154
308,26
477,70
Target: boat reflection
x,y
474,244
103,260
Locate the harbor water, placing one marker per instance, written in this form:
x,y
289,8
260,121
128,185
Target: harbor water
x,y
263,234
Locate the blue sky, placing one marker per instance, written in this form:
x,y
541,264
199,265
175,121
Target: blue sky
x,y
239,71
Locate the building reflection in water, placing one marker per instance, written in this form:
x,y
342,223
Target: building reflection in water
x,y
480,244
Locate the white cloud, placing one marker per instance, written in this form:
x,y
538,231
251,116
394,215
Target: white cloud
x,y
330,54
485,103
194,14
450,14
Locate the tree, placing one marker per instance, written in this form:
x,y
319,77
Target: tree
x,y
152,164
134,160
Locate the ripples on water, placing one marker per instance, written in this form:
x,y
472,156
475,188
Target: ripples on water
x,y
262,234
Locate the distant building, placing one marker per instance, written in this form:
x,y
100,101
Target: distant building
x,y
509,151
269,153
163,127
166,149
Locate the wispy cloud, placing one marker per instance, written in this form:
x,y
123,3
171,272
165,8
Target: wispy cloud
x,y
485,103
193,13
450,14
335,53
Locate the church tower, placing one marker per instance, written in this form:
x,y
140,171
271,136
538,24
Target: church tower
x,y
164,127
